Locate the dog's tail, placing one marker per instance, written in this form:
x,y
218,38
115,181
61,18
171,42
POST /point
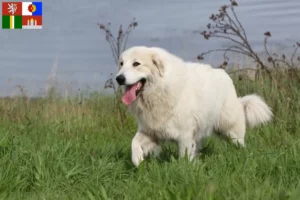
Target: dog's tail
x,y
256,110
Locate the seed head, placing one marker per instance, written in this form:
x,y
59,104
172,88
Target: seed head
x,y
101,26
200,57
270,59
268,34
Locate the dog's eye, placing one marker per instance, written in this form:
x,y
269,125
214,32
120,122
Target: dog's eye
x,y
136,64
121,63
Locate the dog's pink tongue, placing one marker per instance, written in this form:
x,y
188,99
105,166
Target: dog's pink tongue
x,y
130,94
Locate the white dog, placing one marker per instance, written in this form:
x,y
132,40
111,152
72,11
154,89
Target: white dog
x,y
183,102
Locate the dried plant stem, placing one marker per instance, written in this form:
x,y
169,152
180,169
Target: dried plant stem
x,y
228,27
117,46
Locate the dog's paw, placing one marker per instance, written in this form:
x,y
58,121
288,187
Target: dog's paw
x,y
137,157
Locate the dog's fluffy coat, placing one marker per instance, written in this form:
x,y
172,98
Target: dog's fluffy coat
x,y
185,102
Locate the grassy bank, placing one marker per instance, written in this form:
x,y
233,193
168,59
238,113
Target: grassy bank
x,y
56,148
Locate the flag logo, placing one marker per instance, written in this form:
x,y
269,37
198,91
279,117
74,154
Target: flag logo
x,y
32,8
12,8
22,15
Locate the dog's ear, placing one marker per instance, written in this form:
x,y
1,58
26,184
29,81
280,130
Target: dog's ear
x,y
158,63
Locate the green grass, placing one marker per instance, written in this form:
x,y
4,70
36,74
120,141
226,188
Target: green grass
x,y
55,148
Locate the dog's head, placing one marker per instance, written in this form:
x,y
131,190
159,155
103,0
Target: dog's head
x,y
139,67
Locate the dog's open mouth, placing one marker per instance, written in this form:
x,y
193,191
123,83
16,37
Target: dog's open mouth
x,y
133,91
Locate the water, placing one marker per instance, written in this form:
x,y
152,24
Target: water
x,y
72,50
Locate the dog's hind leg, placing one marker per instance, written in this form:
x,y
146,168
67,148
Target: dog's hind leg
x,y
141,146
236,132
237,135
187,146
232,123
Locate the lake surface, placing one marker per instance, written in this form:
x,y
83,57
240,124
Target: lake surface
x,y
72,52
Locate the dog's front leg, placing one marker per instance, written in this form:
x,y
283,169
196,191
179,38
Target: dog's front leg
x,y
187,146
143,144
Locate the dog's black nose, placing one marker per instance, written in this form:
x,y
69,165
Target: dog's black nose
x,y
121,79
